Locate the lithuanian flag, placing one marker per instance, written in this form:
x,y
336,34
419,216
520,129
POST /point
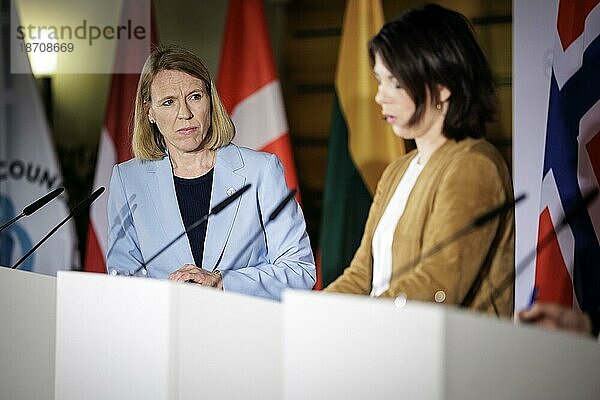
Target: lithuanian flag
x,y
361,144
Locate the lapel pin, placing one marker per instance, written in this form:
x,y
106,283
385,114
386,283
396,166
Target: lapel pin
x,y
230,191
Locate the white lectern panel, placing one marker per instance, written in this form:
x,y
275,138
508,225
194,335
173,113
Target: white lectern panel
x,y
27,333
230,345
353,347
492,359
136,338
113,337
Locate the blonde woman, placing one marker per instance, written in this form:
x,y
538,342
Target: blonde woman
x,y
184,165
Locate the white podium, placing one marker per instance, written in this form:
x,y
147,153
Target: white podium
x,y
27,329
351,347
136,338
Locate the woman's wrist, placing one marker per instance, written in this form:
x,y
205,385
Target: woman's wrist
x,y
219,276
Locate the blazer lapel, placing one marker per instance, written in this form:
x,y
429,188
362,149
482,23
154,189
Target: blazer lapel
x,y
161,190
225,182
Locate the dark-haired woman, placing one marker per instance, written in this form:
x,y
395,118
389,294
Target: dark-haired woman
x,y
436,88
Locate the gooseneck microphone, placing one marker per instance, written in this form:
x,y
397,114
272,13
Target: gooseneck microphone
x,y
546,240
215,210
274,214
486,217
33,207
82,205
478,222
281,205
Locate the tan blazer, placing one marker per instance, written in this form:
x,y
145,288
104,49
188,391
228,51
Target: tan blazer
x,y
460,181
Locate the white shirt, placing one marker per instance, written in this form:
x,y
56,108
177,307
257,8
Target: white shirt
x,y
384,233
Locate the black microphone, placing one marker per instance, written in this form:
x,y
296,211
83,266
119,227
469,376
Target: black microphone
x,y
215,210
219,207
494,212
281,205
520,267
33,207
82,205
475,224
576,210
274,214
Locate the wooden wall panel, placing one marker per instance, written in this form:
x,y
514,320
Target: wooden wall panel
x,y
311,113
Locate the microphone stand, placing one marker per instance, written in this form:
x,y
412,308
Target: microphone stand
x,y
520,267
217,209
33,207
272,217
76,210
478,222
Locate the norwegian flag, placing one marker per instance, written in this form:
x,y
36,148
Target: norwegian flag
x,y
568,264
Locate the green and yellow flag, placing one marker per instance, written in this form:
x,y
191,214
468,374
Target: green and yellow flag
x,y
361,144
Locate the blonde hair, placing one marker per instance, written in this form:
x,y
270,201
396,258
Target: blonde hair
x,y
147,142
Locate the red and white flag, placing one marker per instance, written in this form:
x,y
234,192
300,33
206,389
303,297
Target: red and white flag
x,y
249,88
557,136
115,141
567,269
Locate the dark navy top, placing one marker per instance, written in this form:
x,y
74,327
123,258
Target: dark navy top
x,y
193,196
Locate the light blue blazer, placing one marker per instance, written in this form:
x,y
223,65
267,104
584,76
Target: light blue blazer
x,y
143,216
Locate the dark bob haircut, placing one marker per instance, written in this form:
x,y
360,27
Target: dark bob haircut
x,y
434,46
